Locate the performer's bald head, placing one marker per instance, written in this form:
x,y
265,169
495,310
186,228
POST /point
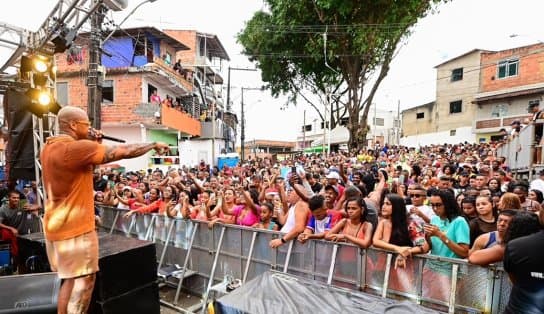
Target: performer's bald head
x,y
69,113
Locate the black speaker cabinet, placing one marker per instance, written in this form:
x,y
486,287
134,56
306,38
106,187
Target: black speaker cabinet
x,y
34,293
127,280
125,264
141,300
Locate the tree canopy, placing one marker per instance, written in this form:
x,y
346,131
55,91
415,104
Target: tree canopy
x,y
330,47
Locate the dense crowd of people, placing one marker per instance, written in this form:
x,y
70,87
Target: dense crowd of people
x,y
455,201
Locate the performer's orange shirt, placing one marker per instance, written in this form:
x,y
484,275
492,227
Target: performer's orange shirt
x,y
68,180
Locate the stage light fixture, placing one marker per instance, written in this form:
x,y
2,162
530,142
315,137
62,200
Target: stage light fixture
x,y
44,98
40,102
40,64
35,63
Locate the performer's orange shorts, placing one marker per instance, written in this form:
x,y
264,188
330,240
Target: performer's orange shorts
x,y
74,257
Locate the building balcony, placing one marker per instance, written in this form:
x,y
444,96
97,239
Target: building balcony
x,y
493,124
184,79
181,121
156,116
212,70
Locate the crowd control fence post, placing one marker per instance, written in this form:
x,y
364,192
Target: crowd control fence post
x,y
288,256
249,256
186,262
386,275
212,273
333,264
163,253
453,290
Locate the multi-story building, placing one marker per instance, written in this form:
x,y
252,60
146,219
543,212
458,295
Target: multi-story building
x,y
450,117
136,65
417,124
206,58
478,94
511,80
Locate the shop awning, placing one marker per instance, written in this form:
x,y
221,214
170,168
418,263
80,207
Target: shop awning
x,y
315,149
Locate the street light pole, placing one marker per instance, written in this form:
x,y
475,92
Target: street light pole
x,y
243,131
243,126
126,17
228,82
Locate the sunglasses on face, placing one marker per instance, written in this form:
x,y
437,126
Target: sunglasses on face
x,y
416,195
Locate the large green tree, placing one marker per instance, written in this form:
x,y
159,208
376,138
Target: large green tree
x,y
331,47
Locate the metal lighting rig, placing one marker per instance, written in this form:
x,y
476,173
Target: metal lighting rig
x,y
33,57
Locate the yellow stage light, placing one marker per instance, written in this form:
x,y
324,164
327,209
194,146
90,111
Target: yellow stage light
x,y
44,98
40,65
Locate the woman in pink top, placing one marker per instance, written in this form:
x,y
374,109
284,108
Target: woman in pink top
x,y
247,212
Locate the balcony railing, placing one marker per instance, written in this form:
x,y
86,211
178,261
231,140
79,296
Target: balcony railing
x,y
181,121
493,123
185,80
164,115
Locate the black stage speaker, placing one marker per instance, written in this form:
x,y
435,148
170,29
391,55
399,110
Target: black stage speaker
x,y
35,293
127,280
20,156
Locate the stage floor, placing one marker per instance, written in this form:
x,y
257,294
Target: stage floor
x,y
185,300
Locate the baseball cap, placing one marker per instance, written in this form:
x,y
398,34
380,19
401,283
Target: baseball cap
x,y
333,175
515,122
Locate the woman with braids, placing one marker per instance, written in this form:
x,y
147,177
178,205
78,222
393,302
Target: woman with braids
x,y
448,236
397,233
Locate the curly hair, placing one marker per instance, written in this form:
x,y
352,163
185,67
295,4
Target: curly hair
x,y
522,224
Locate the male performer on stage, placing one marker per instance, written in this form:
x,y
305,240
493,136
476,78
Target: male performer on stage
x,y
69,225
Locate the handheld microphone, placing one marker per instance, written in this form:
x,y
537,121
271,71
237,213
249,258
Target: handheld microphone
x,y
114,139
105,137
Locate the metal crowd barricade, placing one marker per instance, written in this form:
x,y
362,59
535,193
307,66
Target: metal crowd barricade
x,y
451,285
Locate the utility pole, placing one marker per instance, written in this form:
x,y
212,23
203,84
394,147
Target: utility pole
x,y
304,131
94,80
243,131
329,105
398,122
228,83
374,123
243,126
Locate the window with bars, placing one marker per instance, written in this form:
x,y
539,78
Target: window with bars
x,y
457,74
456,106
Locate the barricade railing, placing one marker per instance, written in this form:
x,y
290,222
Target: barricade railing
x,y
446,284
